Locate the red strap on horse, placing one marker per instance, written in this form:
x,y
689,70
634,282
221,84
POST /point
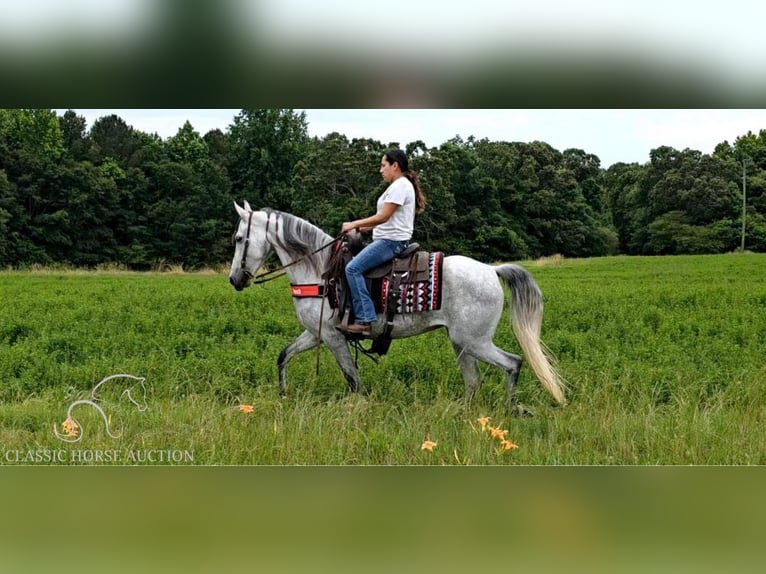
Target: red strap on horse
x,y
312,290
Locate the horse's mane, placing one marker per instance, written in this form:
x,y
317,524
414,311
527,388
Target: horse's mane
x,y
299,238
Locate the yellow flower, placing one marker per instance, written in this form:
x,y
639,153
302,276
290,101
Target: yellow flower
x,y
70,428
428,444
508,445
484,421
246,408
498,433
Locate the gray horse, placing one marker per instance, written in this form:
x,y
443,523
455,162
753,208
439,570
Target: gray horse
x,y
472,303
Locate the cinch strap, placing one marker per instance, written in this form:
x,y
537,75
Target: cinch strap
x,y
307,290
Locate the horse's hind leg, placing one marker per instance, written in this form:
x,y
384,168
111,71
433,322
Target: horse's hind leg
x,y
303,342
509,363
469,367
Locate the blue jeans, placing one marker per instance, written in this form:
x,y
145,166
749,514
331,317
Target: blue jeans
x,y
377,252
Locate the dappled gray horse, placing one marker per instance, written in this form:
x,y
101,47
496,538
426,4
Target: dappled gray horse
x,y
472,303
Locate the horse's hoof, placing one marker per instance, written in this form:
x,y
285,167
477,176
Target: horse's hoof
x,y
521,411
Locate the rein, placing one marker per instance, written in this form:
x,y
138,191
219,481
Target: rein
x,y
279,271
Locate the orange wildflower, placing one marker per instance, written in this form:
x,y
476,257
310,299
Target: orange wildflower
x,y
428,444
508,445
246,408
70,428
483,421
498,433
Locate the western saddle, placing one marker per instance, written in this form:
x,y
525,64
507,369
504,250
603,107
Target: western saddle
x,y
410,266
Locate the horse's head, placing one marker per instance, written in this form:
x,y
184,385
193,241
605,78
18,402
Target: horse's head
x,y
251,247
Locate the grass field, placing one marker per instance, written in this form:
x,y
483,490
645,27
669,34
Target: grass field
x,y
664,358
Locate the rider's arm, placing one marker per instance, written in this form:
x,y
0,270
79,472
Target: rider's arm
x,y
385,213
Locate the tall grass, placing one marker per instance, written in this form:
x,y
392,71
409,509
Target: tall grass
x,y
664,357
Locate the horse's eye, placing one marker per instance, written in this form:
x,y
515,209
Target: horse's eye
x,y
238,239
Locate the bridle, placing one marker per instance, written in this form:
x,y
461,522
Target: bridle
x,y
243,263
279,271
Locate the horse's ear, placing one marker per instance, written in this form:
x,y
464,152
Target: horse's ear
x,y
247,206
242,212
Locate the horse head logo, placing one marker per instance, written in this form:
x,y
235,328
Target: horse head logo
x,y
72,430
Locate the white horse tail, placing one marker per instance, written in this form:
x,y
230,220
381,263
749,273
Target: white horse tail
x,y
526,320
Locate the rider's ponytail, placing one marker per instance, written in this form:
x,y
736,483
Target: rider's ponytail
x,y
399,157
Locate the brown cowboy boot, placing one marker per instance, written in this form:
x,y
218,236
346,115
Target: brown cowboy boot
x,y
359,329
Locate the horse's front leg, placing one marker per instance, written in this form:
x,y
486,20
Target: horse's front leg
x,y
339,348
303,342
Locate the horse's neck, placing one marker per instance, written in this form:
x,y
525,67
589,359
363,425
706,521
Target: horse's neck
x,y
304,273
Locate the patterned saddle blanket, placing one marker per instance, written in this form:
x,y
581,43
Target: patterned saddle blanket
x,y
416,285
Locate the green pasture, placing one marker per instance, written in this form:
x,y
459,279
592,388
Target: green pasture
x,y
664,357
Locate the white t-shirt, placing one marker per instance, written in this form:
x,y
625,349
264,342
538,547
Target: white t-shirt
x,y
399,227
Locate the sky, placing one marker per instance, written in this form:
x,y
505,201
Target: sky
x,y
612,135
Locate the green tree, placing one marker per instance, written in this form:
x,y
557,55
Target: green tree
x,y
74,132
84,212
751,149
111,137
217,144
336,180
187,147
185,216
39,133
586,169
10,228
453,213
501,234
686,199
435,227
560,219
623,184
265,145
672,233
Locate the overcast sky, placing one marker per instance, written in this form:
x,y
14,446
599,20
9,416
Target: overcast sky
x,y
612,135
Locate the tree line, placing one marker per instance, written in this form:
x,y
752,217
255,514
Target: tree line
x,y
114,194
